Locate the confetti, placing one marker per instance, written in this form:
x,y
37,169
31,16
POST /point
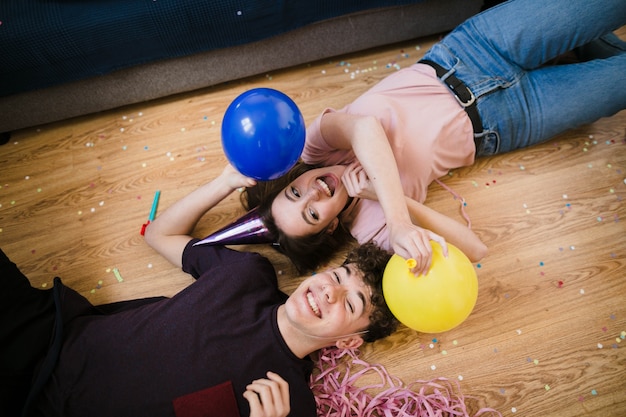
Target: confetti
x,y
117,274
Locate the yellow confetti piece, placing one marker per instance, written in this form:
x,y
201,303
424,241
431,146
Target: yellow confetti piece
x,y
547,387
44,285
536,362
117,274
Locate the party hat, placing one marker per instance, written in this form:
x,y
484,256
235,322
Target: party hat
x,y
248,229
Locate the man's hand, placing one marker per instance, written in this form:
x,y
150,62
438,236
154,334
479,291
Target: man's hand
x,y
234,179
268,397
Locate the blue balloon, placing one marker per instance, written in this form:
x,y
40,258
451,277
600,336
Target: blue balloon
x,y
263,133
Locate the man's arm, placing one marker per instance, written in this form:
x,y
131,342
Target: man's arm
x,y
169,233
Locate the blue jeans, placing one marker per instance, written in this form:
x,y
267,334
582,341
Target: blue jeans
x,y
499,55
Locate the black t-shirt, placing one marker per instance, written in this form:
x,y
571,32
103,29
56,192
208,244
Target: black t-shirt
x,y
139,361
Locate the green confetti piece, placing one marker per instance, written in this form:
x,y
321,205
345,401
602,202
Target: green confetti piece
x,y
117,274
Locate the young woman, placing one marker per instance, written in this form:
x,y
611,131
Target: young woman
x,y
484,89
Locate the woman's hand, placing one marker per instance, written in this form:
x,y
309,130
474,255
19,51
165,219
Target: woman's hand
x,y
357,183
413,242
268,397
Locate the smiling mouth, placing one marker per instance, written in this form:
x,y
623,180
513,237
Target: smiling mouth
x,y
313,304
327,184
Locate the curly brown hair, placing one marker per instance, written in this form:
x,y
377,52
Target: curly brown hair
x,y
371,261
305,252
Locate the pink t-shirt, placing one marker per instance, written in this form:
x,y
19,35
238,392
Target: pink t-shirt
x,y
428,130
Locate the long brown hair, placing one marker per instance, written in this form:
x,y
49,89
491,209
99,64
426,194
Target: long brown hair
x,y
305,252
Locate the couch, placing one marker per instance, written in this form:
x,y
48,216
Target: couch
x,y
66,58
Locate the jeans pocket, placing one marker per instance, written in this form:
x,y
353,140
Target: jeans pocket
x,y
489,145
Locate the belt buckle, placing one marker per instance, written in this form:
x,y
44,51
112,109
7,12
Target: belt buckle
x,y
468,103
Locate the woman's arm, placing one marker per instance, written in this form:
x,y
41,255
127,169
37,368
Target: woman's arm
x,y
454,232
369,142
461,236
169,233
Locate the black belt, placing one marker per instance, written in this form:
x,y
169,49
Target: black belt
x,y
461,92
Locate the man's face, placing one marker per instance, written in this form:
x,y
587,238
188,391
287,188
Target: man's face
x,y
331,304
310,202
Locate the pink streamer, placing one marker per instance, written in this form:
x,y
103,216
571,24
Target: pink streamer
x,y
462,200
333,383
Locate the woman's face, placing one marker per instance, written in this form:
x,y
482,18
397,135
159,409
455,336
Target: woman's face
x,y
311,202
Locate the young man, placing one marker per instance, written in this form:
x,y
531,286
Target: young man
x,y
230,344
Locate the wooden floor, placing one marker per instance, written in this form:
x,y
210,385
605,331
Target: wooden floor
x,y
547,335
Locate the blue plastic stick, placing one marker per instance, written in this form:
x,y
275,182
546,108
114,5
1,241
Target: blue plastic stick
x,y
155,203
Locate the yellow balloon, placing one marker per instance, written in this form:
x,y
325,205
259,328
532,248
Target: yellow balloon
x,y
436,302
